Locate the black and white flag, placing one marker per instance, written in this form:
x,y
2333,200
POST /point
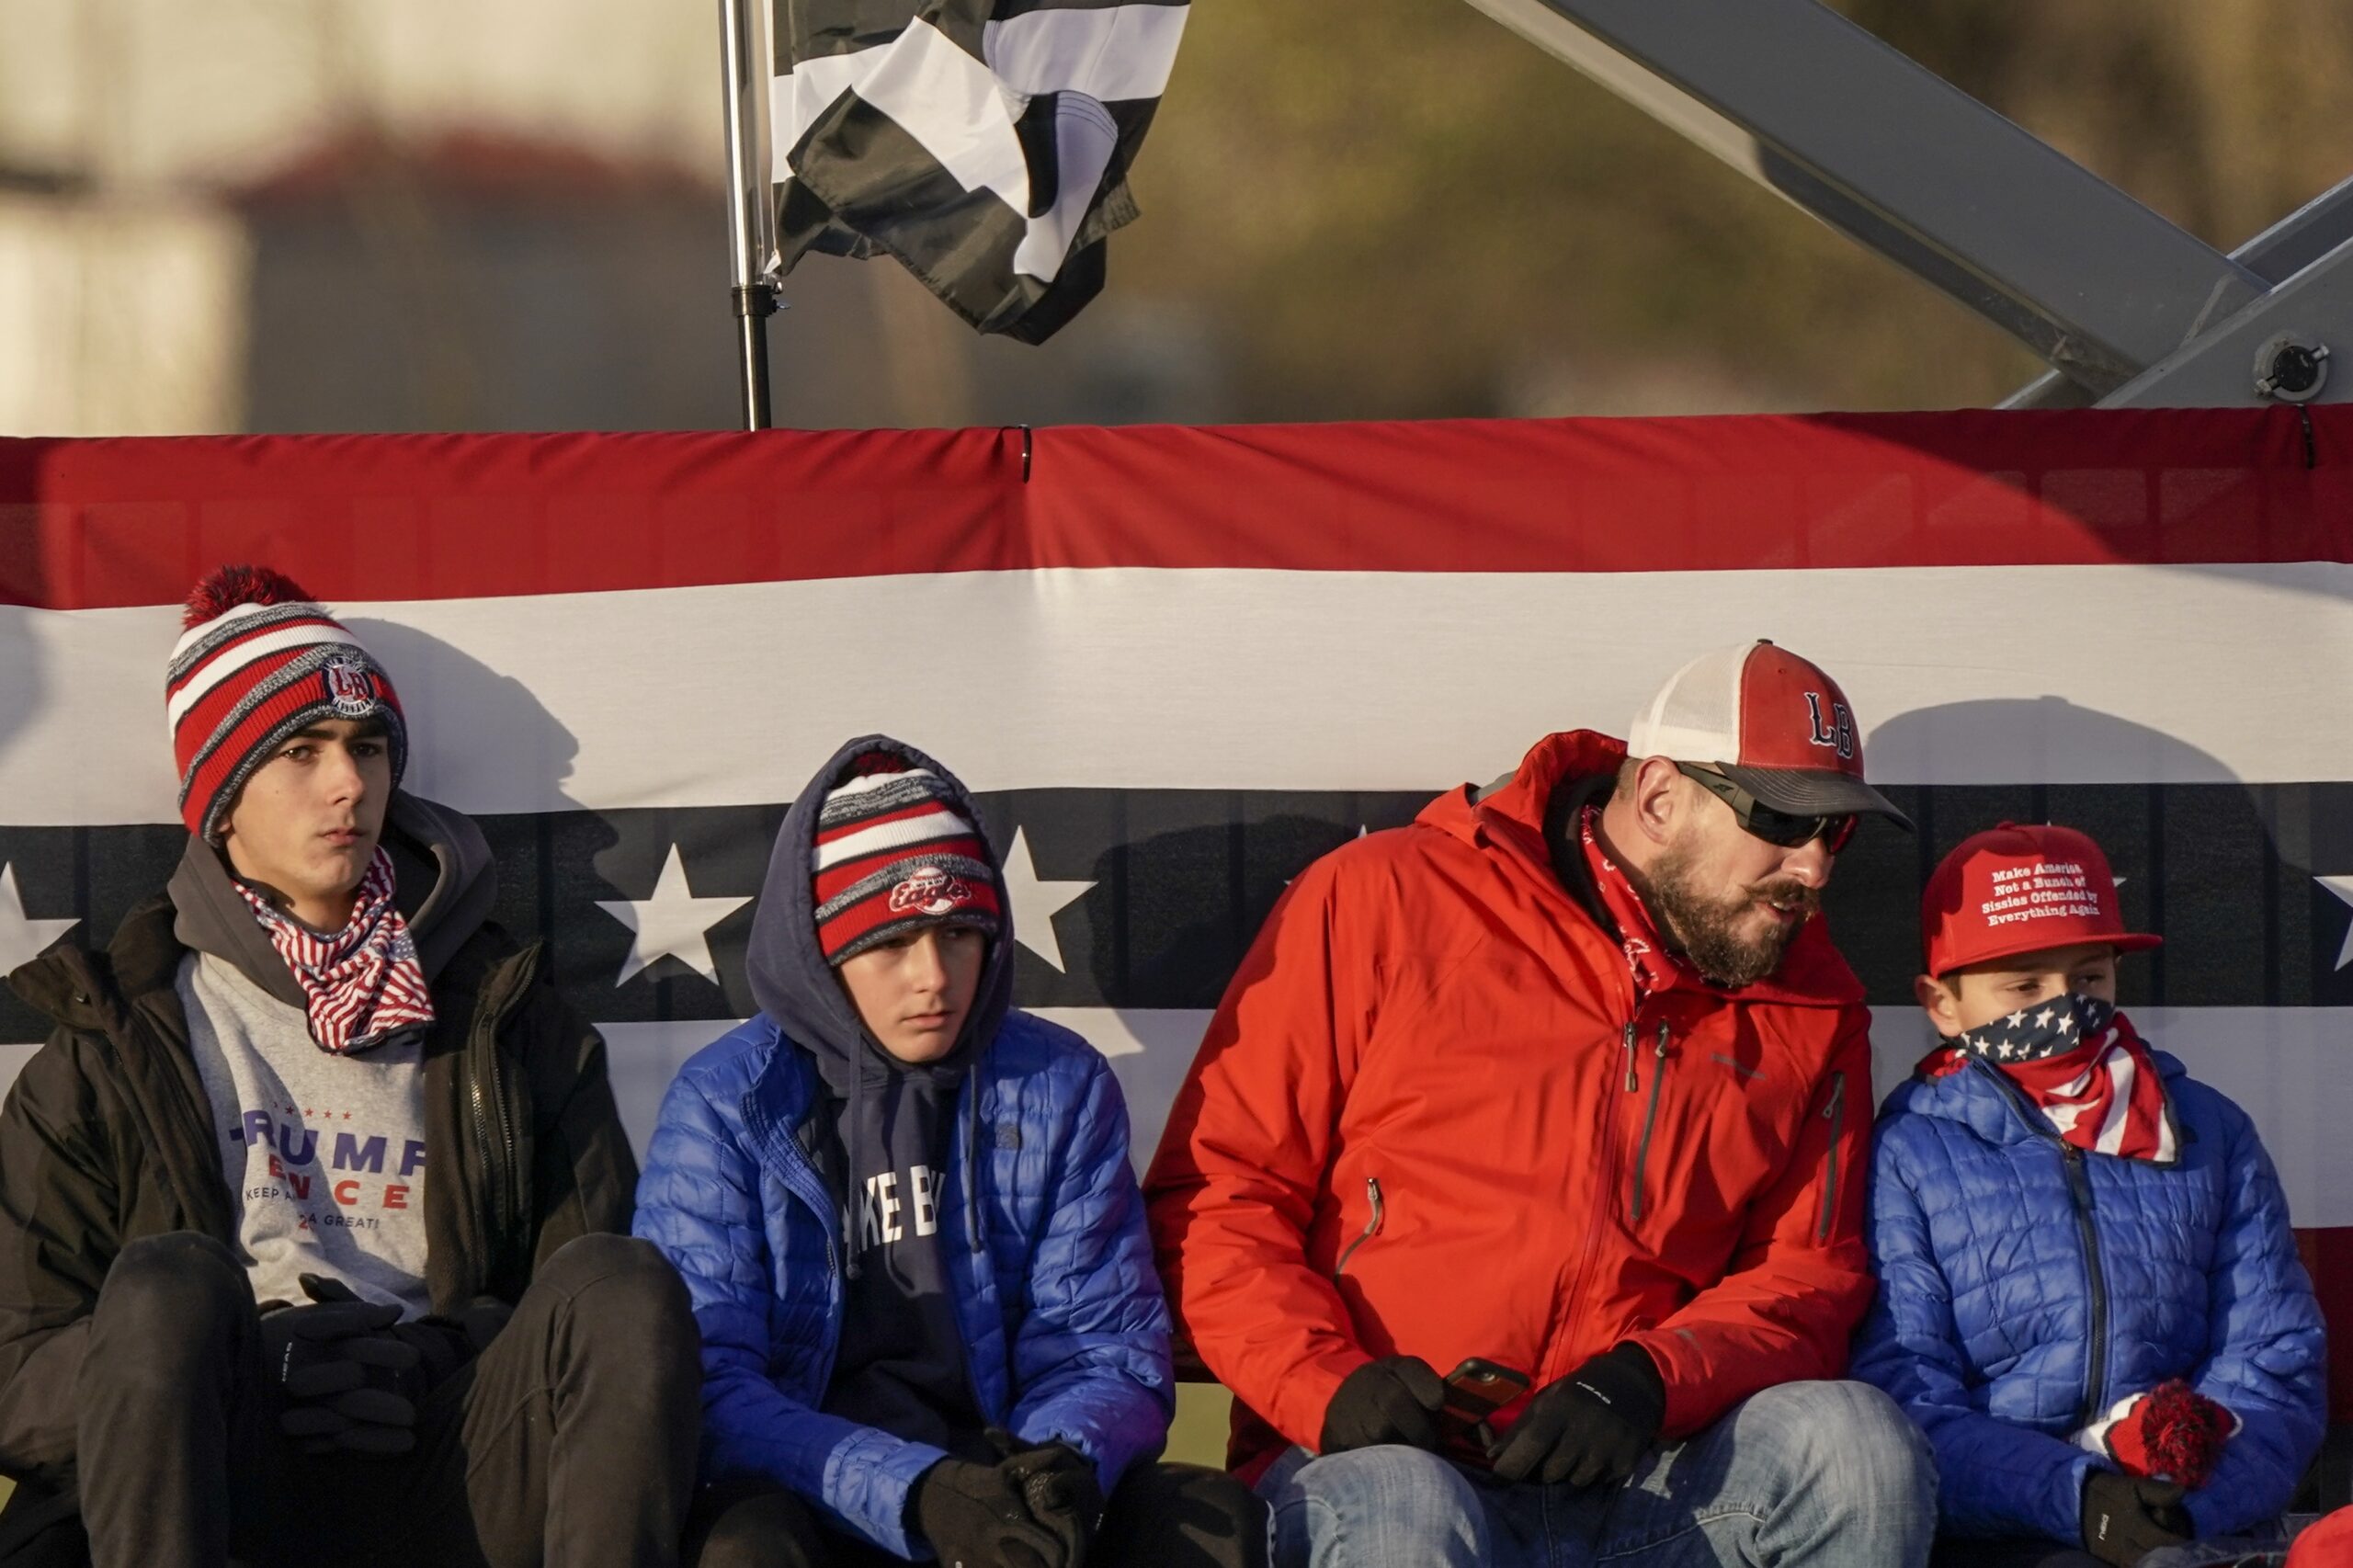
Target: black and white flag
x,y
985,144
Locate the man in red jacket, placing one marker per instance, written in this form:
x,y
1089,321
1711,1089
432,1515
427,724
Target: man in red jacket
x,y
1565,1078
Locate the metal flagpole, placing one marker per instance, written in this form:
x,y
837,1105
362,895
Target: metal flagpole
x,y
751,202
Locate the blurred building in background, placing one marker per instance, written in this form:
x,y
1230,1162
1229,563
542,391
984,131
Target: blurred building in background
x,y
121,317
473,281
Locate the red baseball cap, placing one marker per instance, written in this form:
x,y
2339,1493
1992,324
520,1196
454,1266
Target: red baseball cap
x,y
2021,889
1773,723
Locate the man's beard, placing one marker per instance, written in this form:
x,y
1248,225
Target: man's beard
x,y
1705,930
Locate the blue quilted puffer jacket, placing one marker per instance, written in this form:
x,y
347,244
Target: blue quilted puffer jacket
x,y
2027,1286
1064,1327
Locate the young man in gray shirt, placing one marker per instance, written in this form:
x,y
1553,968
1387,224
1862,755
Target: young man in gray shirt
x,y
313,1208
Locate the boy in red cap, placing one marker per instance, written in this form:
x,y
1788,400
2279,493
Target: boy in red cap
x,y
2089,1296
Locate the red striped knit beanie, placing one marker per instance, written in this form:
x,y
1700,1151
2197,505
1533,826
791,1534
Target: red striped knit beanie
x,y
258,662
896,853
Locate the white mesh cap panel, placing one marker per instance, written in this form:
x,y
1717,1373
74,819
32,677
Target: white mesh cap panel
x,y
1696,715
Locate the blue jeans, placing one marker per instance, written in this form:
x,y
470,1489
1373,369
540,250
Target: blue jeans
x,y
1805,1475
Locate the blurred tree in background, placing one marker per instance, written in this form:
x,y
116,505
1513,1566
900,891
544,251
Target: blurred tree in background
x,y
1397,208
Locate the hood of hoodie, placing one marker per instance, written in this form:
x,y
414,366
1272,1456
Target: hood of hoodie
x,y
790,979
1510,814
445,884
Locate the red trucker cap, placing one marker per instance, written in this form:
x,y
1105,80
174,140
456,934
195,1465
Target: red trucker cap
x,y
2019,888
1770,722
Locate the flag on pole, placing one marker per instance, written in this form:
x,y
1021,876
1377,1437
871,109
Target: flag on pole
x,y
985,144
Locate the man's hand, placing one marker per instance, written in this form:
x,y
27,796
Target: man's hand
x,y
974,1516
1593,1426
345,1380
2126,1517
1057,1484
1394,1400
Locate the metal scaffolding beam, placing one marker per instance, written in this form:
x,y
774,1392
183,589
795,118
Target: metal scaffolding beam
x,y
1848,129
2290,246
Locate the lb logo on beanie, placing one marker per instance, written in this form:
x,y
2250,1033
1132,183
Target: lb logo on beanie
x,y
257,662
896,853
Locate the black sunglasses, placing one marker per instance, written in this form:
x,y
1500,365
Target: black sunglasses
x,y
1775,827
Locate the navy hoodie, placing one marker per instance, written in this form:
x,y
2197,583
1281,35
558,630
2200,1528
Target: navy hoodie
x,y
883,1136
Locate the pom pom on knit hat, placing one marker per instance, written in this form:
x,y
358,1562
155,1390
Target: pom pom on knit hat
x,y
257,662
234,585
895,853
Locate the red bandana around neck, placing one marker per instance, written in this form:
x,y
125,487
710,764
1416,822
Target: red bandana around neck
x,y
1655,966
2083,1065
363,984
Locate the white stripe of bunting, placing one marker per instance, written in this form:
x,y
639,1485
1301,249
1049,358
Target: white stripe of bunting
x,y
1127,678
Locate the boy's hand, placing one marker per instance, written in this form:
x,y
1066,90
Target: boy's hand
x,y
1057,1483
1394,1400
1593,1426
974,1516
2126,1517
343,1376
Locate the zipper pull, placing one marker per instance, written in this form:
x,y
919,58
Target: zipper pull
x,y
1633,1085
1371,1228
1661,1052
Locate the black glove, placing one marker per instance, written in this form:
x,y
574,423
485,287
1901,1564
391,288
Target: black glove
x,y
1593,1426
2128,1516
1394,1400
975,1516
1057,1483
346,1380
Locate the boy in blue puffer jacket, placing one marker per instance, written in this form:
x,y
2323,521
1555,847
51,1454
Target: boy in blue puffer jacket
x,y
907,1221
2089,1296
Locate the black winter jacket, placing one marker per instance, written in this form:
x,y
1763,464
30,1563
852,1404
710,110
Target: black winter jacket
x,y
106,1135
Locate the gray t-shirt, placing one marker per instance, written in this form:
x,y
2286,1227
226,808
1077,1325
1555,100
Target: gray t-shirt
x,y
324,1155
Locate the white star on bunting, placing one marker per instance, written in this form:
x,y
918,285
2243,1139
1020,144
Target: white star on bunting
x,y
671,924
1035,903
2343,888
21,937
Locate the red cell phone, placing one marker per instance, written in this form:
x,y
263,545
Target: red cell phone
x,y
1474,1390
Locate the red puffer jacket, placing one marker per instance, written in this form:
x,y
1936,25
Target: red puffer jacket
x,y
1429,1119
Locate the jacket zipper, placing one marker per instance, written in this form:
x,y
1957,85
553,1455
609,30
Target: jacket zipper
x,y
1371,1227
2079,1190
2079,1186
797,1160
498,1161
1650,1115
1835,1113
1575,1293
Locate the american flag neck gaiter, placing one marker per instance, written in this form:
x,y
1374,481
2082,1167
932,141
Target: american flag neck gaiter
x,y
363,984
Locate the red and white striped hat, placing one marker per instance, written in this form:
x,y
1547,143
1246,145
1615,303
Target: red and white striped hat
x,y
258,662
893,854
